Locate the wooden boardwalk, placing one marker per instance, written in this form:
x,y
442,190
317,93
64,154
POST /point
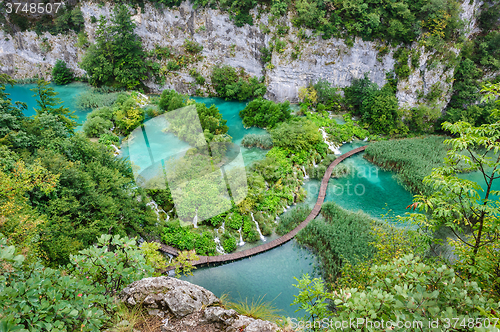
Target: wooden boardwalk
x,y
279,241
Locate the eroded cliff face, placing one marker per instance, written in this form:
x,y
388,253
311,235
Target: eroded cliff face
x,y
26,54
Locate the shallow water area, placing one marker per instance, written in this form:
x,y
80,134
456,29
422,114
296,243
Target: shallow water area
x,y
67,93
270,274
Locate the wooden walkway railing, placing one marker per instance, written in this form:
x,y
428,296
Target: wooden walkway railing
x,y
279,241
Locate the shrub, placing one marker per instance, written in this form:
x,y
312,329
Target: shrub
x,y
61,74
229,84
192,47
36,298
183,238
173,65
108,139
229,244
297,134
96,126
171,100
265,113
328,96
128,116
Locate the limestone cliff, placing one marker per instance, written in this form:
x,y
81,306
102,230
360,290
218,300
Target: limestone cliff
x,y
22,55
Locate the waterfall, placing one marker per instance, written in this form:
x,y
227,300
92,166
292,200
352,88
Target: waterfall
x,y
305,174
262,237
117,151
156,209
242,243
314,163
195,219
366,139
218,246
331,146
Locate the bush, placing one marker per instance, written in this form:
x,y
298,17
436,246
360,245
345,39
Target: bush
x,y
229,244
108,139
128,116
192,47
96,99
36,298
183,238
297,134
171,100
96,126
61,74
229,84
291,219
265,113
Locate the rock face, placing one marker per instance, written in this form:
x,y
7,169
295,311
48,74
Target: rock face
x,y
300,62
187,307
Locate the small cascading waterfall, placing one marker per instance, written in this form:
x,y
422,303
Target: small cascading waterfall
x,y
156,209
218,245
331,146
117,151
305,174
195,219
262,237
242,243
314,163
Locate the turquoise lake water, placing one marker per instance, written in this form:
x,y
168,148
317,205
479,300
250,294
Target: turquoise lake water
x,y
270,274
67,94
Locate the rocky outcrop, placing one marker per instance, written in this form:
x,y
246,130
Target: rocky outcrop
x,y
300,62
182,306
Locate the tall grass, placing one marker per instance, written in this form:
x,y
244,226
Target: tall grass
x,y
412,159
96,98
291,219
257,309
340,236
262,141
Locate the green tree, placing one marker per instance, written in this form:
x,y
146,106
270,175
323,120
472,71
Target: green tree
x,y
471,210
61,74
48,103
117,57
11,116
265,113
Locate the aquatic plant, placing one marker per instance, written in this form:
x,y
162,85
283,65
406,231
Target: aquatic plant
x,y
257,309
412,159
262,141
291,219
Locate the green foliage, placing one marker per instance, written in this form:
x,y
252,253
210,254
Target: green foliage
x,y
312,298
319,171
230,84
422,119
229,244
257,309
409,288
61,74
96,99
37,298
111,264
183,263
291,219
171,100
128,116
183,238
471,210
192,47
265,113
328,95
96,126
297,134
197,76
412,158
378,108
341,237
117,58
262,141
47,103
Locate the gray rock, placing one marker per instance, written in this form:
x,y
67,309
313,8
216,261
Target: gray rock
x,y
252,325
179,297
220,315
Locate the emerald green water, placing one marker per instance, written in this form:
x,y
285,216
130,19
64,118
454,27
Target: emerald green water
x,y
270,274
67,94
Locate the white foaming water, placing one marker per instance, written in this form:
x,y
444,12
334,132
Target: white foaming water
x,y
331,146
195,220
156,209
262,237
305,174
242,243
218,246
